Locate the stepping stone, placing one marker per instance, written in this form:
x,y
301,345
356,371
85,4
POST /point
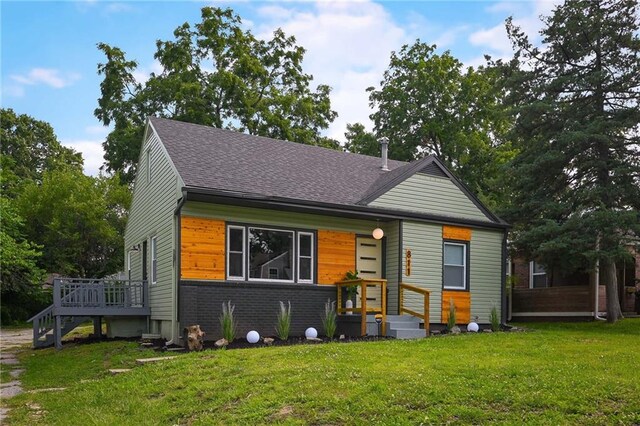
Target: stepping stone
x,y
175,349
47,390
115,371
10,389
15,373
146,344
3,414
143,361
9,360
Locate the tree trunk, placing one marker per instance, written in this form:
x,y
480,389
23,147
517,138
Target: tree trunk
x,y
614,313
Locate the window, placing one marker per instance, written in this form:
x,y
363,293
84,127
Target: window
x,y
235,250
154,260
455,266
270,250
305,257
538,276
267,254
148,165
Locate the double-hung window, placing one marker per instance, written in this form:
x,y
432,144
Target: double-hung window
x,y
538,276
256,253
455,266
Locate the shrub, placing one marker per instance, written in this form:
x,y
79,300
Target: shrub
x,y
451,322
228,322
283,325
495,319
329,319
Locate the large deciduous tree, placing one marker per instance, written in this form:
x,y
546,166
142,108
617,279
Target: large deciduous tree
x,y
78,220
576,98
29,148
429,104
214,73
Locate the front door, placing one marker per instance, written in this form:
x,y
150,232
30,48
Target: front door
x,y
369,266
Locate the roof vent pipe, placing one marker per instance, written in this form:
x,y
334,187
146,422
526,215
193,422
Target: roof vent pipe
x,y
384,146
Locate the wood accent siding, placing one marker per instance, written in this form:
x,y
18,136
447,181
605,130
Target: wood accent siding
x,y
430,194
462,302
336,255
456,233
202,248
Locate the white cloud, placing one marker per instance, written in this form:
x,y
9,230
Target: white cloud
x,y
92,153
348,46
47,76
141,74
13,90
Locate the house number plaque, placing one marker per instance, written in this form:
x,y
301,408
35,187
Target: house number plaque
x,y
408,262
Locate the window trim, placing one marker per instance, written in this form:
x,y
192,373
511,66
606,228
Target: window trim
x,y
312,257
465,265
532,264
154,259
243,252
295,264
294,254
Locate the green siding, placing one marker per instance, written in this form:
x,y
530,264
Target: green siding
x,y
425,242
429,194
486,273
151,214
485,263
277,218
392,233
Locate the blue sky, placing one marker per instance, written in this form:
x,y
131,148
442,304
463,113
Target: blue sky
x,y
49,56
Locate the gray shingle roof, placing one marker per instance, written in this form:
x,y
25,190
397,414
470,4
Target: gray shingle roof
x,y
220,159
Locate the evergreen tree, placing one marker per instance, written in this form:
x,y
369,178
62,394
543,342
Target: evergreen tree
x,y
576,102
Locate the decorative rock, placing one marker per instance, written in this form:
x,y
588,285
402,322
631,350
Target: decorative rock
x,y
310,332
473,327
146,344
221,343
115,371
435,332
314,339
487,330
268,341
253,336
455,330
342,337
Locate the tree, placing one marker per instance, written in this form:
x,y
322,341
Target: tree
x,y
428,104
216,74
29,148
20,275
78,220
577,111
360,141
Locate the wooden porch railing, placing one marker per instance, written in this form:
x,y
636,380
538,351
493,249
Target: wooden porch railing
x,y
364,309
78,296
424,315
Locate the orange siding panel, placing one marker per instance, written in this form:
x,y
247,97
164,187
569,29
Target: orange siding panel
x,y
462,302
456,233
202,248
336,255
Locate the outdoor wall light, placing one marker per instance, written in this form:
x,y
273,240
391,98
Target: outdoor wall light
x,y
135,247
378,233
253,336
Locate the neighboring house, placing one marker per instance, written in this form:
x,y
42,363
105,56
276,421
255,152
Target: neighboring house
x,y
222,216
541,294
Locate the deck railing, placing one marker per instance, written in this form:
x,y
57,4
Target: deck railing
x,y
363,310
424,315
102,294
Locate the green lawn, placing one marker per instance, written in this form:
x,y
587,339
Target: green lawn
x,y
586,373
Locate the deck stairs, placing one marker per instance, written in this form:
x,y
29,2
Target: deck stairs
x,y
398,326
44,336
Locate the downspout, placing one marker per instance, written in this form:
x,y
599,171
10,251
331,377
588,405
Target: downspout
x,y
176,259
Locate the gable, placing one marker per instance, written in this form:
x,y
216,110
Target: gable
x,y
431,194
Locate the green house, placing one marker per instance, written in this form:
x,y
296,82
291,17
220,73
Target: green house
x,y
223,216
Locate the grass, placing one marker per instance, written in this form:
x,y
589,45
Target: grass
x,y
555,374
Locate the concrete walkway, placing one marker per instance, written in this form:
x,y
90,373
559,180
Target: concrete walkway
x,y
10,342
